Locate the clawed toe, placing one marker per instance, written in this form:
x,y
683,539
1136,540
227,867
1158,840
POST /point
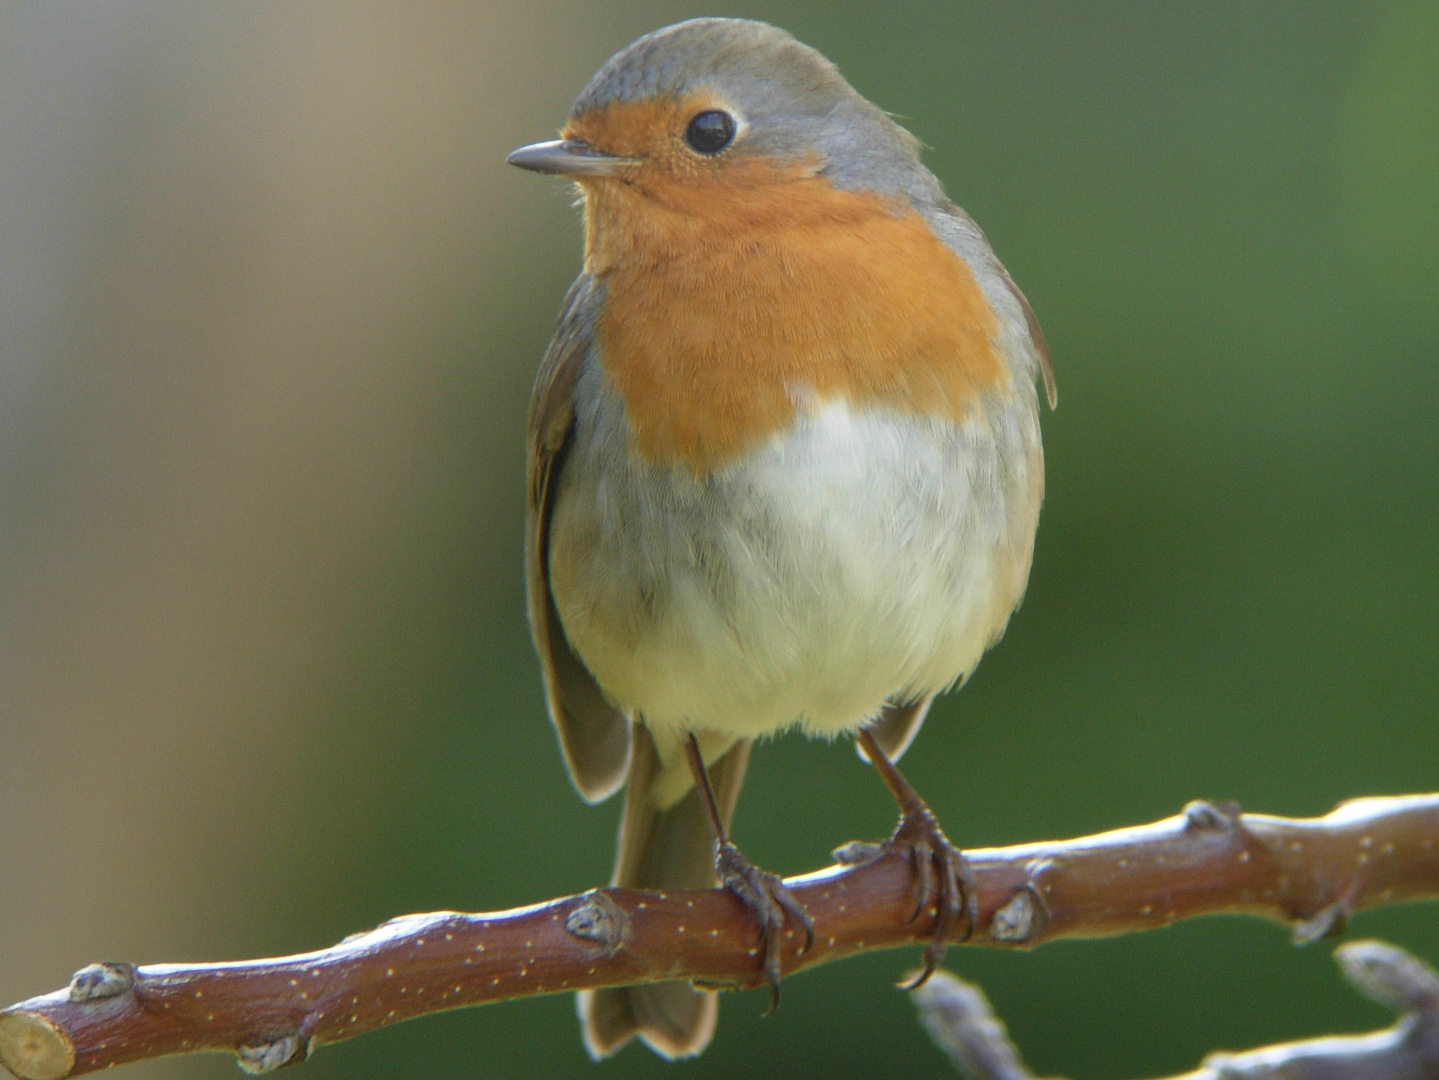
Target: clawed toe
x,y
767,896
944,879
920,836
762,892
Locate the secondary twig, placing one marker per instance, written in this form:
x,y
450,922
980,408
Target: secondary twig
x,y
962,1023
958,1017
1208,860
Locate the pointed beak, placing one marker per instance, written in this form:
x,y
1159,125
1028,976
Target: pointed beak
x,y
567,157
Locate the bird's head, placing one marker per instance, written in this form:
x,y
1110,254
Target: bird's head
x,y
717,119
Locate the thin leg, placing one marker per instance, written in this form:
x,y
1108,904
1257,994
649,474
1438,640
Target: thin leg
x,y
919,834
759,890
702,781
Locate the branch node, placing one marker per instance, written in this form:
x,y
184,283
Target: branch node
x,y
598,918
106,980
857,853
1214,816
261,1058
1328,921
1021,918
1222,1065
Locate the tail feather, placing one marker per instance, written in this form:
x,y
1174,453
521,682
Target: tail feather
x,y
897,726
674,1019
662,849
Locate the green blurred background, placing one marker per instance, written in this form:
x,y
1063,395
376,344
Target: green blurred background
x,y
270,305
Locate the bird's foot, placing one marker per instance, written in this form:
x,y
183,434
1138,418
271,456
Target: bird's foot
x,y
945,881
767,896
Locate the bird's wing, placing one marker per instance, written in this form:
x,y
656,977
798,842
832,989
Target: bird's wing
x,y
961,241
594,735
1041,347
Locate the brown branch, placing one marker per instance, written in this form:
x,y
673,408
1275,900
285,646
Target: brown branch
x,y
959,1019
1208,860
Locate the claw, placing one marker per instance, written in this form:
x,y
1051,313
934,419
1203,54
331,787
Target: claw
x,y
955,896
919,834
767,896
762,892
924,875
797,912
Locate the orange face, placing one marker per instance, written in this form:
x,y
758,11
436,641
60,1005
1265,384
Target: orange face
x,y
652,132
741,290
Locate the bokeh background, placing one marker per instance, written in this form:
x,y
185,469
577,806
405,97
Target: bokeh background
x,y
270,305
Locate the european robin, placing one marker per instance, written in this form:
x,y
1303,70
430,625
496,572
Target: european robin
x,y
784,463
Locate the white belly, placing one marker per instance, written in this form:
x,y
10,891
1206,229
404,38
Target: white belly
x,y
863,556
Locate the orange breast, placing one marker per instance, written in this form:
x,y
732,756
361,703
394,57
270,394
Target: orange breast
x,y
732,303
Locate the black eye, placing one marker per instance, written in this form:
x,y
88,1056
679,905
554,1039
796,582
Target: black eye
x,y
710,132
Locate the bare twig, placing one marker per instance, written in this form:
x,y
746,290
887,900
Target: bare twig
x,y
962,1023
1208,860
958,1018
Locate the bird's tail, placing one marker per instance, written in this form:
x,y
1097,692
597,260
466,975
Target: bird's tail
x,y
670,848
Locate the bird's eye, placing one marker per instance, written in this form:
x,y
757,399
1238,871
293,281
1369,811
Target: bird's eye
x,y
710,131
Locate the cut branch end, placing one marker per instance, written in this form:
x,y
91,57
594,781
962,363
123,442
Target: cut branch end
x,y
34,1048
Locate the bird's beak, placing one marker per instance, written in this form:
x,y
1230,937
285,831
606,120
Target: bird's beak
x,y
567,157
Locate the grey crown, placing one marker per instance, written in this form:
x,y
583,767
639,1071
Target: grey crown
x,y
793,101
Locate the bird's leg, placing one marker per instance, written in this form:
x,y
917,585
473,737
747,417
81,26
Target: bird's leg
x,y
921,837
759,890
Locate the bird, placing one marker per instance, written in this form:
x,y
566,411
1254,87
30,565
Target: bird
x,y
784,465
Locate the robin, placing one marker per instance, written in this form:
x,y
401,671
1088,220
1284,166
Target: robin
x,y
784,464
